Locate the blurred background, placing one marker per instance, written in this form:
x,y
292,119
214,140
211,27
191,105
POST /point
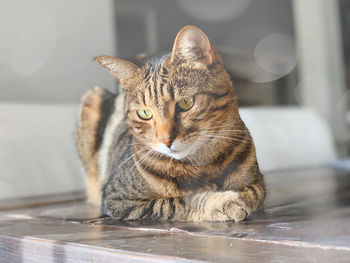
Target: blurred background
x,y
289,61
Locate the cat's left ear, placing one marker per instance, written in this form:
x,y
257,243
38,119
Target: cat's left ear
x,y
121,69
191,43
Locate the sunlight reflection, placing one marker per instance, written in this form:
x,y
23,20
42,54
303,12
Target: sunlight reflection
x,y
276,53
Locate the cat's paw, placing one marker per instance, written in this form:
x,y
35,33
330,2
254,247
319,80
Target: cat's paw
x,y
228,208
234,211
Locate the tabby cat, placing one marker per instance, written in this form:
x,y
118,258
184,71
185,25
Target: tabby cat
x,y
172,146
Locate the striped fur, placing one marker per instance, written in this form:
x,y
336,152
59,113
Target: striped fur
x,y
212,176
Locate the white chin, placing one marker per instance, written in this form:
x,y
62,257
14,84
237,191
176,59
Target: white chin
x,y
177,155
171,152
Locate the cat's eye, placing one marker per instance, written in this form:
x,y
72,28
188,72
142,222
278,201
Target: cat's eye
x,y
186,103
144,114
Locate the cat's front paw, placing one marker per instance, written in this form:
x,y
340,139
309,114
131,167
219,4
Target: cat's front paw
x,y
227,208
234,211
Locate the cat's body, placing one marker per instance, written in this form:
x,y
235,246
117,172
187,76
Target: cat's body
x,y
177,148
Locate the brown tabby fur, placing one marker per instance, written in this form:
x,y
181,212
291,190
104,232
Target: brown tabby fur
x,y
219,181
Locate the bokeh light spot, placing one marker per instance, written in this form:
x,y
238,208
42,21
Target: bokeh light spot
x,y
276,54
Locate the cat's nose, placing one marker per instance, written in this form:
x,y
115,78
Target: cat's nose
x,y
167,141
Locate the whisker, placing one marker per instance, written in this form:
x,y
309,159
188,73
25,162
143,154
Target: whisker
x,y
131,156
139,162
188,158
171,159
221,128
229,124
205,141
224,137
237,135
227,131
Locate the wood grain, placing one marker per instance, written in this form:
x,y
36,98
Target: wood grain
x,y
306,218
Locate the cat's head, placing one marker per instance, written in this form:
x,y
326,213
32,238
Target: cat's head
x,y
181,102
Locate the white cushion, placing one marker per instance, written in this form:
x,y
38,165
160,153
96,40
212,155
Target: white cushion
x,y
289,137
37,151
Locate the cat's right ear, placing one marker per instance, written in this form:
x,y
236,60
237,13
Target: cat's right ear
x,y
191,43
121,69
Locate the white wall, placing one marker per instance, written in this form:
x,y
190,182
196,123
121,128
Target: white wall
x,y
47,48
46,63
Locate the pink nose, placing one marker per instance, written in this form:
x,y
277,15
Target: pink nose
x,y
167,141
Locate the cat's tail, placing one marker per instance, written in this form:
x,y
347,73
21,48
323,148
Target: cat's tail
x,y
96,107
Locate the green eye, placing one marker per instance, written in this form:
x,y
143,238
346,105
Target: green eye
x,y
186,103
144,114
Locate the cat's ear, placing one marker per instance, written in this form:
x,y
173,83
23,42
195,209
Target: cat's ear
x,y
192,43
121,69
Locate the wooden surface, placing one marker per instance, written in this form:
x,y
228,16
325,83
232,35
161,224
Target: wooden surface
x,y
306,218
33,201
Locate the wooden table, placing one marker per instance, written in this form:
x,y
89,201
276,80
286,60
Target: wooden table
x,y
306,219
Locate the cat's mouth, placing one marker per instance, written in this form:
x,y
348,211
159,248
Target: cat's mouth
x,y
176,150
169,151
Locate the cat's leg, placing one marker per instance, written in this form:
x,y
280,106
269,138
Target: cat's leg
x,y
252,196
243,202
216,206
206,206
